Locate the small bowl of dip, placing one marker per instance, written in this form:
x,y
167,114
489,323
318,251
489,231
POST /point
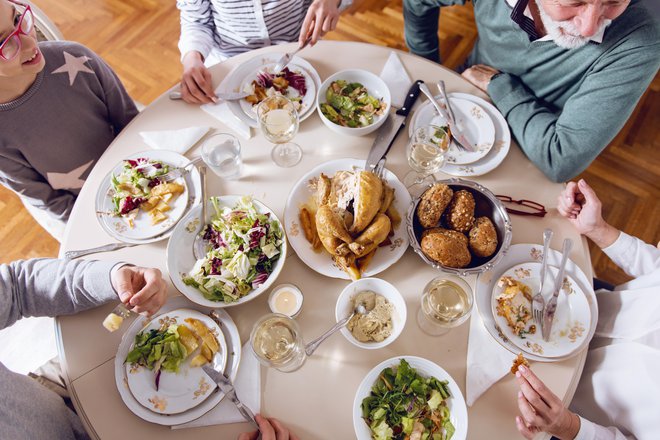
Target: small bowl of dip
x,y
286,299
386,313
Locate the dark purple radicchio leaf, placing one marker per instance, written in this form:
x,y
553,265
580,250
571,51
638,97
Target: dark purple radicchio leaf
x,y
216,264
259,280
214,237
130,204
296,80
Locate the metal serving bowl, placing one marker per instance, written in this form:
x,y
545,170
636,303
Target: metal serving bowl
x,y
486,204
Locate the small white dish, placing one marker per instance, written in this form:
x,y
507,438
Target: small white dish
x,y
344,308
376,87
286,299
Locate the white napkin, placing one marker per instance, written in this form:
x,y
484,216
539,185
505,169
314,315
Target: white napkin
x,y
396,78
223,113
174,140
248,390
487,361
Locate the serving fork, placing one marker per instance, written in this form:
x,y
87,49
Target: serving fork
x,y
538,302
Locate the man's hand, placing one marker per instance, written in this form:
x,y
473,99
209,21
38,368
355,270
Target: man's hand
x,y
196,84
581,206
322,17
271,429
541,410
480,75
141,289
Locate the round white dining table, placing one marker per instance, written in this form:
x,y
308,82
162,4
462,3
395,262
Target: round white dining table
x,y
316,401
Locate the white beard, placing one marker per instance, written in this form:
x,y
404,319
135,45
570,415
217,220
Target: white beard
x,y
564,33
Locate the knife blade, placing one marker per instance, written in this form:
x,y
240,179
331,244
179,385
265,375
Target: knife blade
x,y
387,133
228,388
456,132
228,96
551,306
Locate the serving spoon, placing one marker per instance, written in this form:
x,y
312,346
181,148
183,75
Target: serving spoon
x,y
311,347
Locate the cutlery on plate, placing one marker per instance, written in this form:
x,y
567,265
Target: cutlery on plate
x,y
456,132
228,388
287,57
71,255
313,345
387,133
200,244
226,96
441,111
538,302
551,306
114,320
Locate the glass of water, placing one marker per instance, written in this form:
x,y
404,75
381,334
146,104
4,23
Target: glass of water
x,y
446,303
426,155
222,153
278,120
277,342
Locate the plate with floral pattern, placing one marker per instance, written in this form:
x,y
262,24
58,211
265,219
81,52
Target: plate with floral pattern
x,y
525,254
512,309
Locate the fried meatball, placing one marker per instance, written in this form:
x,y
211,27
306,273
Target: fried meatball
x,y
483,237
459,215
433,203
449,248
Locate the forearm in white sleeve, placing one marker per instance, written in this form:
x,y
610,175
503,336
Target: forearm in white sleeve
x,y
591,431
631,254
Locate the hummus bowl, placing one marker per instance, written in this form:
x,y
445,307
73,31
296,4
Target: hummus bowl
x,y
344,308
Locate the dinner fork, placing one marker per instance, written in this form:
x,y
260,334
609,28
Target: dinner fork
x,y
441,111
538,302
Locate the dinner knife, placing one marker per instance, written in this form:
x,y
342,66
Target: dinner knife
x,y
551,307
391,127
229,96
456,132
228,388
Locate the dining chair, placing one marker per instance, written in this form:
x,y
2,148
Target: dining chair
x,y
46,29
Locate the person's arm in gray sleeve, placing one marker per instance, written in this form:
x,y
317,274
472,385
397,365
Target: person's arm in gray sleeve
x,y
51,287
24,180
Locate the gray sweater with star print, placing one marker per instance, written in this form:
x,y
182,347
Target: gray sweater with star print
x,y
52,136
45,287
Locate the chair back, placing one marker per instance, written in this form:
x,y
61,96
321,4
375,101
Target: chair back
x,y
46,29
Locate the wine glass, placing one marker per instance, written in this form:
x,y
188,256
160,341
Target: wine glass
x,y
446,303
278,120
426,155
277,342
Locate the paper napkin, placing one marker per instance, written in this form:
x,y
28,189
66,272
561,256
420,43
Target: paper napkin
x,y
248,390
223,113
487,361
174,140
396,78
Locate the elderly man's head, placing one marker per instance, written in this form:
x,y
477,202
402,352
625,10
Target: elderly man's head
x,y
19,53
571,23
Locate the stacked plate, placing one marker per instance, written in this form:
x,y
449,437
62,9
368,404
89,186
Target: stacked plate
x,y
184,396
143,231
242,76
577,310
484,127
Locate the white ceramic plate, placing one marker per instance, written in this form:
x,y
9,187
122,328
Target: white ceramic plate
x,y
425,368
233,350
472,119
322,262
496,154
143,231
190,386
180,258
526,253
306,103
572,318
234,80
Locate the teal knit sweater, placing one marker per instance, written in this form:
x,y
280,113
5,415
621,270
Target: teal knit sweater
x,y
564,106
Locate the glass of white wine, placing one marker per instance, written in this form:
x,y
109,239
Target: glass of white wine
x,y
277,342
446,303
426,155
278,120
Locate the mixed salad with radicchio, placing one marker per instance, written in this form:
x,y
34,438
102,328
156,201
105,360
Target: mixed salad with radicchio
x,y
290,84
133,186
245,246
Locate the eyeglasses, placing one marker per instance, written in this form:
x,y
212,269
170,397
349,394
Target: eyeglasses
x,y
531,207
12,44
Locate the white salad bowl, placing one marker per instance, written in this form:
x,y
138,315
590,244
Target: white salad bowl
x,y
180,258
344,308
376,87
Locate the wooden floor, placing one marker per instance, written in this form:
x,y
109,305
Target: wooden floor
x,y
138,38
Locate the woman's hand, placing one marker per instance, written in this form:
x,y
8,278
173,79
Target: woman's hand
x,y
322,17
541,410
271,429
196,84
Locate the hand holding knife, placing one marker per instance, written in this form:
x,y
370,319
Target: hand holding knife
x,y
225,385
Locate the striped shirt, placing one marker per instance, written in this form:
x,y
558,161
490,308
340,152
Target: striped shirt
x,y
231,27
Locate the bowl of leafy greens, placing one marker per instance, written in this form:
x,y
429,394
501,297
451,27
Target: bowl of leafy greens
x,y
353,102
245,254
409,397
